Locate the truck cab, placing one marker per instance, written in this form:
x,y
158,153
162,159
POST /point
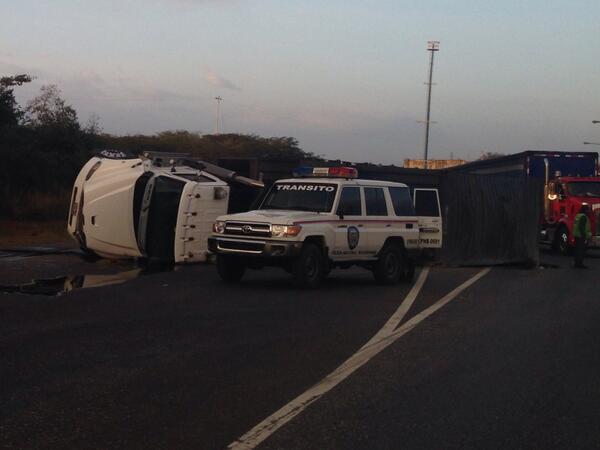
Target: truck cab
x,y
157,206
564,197
325,218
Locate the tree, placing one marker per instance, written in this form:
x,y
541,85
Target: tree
x,y
10,112
49,109
93,126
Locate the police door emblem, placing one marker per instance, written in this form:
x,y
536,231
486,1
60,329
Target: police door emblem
x,y
353,237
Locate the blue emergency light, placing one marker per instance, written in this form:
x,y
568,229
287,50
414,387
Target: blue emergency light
x,y
326,172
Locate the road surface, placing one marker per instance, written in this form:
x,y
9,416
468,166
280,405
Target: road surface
x,y
177,359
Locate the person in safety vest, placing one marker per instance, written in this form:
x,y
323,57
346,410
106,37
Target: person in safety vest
x,y
582,231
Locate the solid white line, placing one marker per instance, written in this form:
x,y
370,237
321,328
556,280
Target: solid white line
x,y
279,418
375,345
397,317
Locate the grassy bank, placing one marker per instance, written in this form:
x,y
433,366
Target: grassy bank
x,y
19,233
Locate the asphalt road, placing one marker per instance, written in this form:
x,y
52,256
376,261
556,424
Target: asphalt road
x,y
177,359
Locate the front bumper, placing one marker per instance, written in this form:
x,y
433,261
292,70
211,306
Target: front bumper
x,y
254,247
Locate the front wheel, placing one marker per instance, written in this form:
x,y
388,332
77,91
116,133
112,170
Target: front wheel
x,y
231,268
307,268
391,266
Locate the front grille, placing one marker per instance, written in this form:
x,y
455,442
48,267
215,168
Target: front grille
x,y
248,229
242,246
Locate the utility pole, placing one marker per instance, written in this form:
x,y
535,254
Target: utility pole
x,y
432,47
218,114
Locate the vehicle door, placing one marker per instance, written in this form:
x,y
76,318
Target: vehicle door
x,y
405,223
378,224
427,209
350,240
201,203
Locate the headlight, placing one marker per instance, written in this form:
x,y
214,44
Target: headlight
x,y
220,193
285,230
219,227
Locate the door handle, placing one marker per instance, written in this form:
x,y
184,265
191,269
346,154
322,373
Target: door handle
x,y
360,224
342,226
388,225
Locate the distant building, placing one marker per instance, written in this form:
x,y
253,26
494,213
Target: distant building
x,y
432,163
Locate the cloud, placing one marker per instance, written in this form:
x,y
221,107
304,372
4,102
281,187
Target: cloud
x,y
218,81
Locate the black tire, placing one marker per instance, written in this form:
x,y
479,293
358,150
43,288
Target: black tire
x,y
391,266
307,268
561,241
231,268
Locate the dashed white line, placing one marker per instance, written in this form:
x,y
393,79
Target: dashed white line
x,y
382,339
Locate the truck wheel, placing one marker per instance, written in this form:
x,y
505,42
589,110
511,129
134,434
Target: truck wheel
x,y
231,268
307,268
391,265
561,241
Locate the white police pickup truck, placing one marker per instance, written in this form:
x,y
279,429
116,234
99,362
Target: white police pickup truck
x,y
325,218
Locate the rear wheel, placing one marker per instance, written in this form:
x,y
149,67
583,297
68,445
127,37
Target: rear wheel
x,y
307,268
391,266
231,268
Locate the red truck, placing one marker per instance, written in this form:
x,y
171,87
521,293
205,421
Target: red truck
x,y
563,197
570,179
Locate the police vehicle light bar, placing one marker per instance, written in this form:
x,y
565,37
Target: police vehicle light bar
x,y
331,172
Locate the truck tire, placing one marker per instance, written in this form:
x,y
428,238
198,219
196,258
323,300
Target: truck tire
x,y
307,268
561,241
391,266
231,268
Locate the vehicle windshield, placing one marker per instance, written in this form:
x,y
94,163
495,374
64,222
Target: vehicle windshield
x,y
317,197
584,188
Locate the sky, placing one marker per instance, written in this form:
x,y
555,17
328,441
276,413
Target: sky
x,y
346,78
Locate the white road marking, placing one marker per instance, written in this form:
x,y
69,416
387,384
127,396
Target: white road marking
x,y
397,317
376,344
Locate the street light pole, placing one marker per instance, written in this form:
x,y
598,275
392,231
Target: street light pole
x,y
218,114
432,47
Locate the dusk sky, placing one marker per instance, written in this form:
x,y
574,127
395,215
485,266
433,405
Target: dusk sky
x,y
343,77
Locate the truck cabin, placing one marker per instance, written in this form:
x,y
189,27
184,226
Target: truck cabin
x,y
565,195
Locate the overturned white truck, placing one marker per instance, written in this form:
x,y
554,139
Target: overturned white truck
x,y
159,206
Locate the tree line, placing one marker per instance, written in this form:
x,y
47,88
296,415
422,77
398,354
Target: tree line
x,y
43,145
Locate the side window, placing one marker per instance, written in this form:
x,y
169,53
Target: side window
x,y
426,203
375,202
402,202
350,204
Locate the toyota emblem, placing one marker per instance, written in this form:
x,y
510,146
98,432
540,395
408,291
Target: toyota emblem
x,y
246,228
